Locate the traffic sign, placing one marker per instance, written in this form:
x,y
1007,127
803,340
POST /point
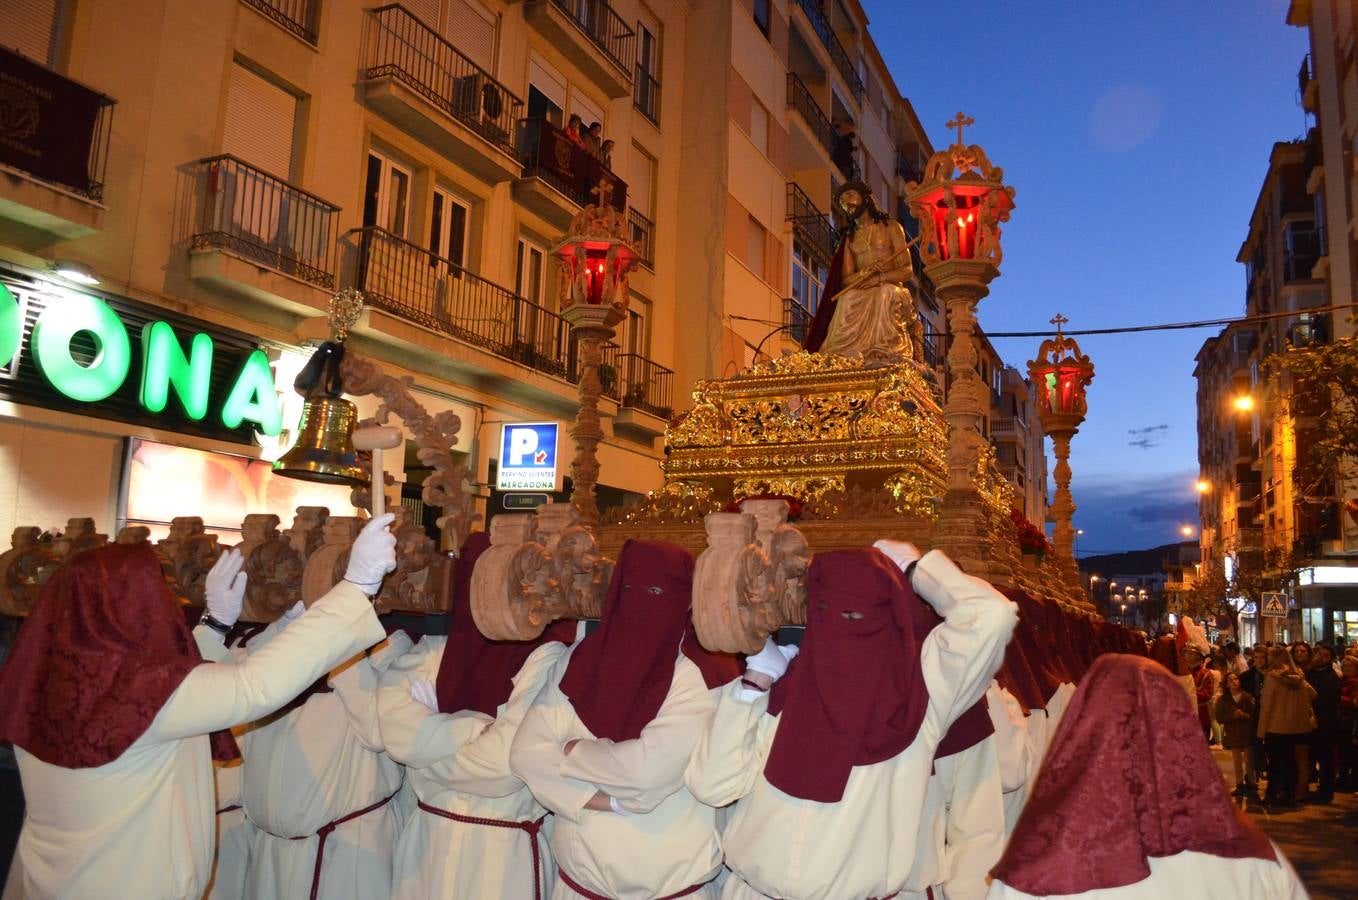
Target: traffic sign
x,y
1273,603
523,501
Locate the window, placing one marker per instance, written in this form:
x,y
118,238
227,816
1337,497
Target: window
x,y
466,24
759,126
528,272
546,91
761,15
448,231
635,338
386,195
32,27
261,121
754,249
646,90
641,190
808,277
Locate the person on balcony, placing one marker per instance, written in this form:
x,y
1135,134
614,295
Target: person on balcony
x,y
1130,804
450,709
594,140
606,743
831,753
116,718
575,127
606,154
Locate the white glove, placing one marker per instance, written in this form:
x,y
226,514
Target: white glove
x,y
772,660
618,807
372,555
225,588
291,613
902,553
422,691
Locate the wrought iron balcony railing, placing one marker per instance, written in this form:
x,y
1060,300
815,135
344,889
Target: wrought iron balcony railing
x,y
255,215
799,98
838,55
646,94
796,319
810,224
430,290
604,28
400,46
646,385
641,232
297,17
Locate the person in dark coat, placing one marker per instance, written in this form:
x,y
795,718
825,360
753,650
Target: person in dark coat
x,y
1325,739
1234,709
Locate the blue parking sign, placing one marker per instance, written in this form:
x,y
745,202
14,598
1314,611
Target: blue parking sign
x,y
527,457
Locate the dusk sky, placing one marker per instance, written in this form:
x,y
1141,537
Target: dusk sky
x,y
1137,136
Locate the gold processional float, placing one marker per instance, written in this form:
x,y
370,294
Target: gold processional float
x,y
807,453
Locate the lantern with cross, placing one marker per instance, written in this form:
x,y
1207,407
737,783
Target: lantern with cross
x,y
594,260
959,203
1060,374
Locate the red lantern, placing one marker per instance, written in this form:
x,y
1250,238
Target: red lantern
x,y
1061,372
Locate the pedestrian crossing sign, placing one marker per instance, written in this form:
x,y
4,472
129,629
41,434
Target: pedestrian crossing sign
x,y
1274,603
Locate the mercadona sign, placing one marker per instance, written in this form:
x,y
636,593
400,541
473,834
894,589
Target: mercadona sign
x,y
122,360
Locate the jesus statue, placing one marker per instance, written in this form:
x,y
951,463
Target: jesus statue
x,y
867,308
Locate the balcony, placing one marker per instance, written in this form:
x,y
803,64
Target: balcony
x,y
297,17
796,320
420,81
243,219
646,385
646,95
1008,428
1306,84
906,166
809,224
436,293
641,232
592,36
805,152
559,177
838,55
53,156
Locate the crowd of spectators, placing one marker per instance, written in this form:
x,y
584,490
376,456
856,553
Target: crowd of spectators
x,y
1288,714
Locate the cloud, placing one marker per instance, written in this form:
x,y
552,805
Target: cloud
x,y
1124,117
1149,429
1134,512
1143,443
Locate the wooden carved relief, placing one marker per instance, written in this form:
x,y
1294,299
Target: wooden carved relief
x,y
19,567
421,580
325,567
273,568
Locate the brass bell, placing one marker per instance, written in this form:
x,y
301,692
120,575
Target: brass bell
x,y
324,450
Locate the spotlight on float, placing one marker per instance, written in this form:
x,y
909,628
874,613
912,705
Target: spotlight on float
x,y
324,450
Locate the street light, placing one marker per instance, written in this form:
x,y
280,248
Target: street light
x,y
1186,530
1204,487
1243,403
1124,614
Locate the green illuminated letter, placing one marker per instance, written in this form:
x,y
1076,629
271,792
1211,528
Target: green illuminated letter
x,y
164,364
51,342
10,326
253,397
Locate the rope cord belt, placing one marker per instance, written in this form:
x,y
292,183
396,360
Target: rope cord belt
x,y
531,828
590,895
326,830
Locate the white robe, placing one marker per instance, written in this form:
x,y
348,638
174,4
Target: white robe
x,y
144,824
317,764
459,763
865,845
1196,875
234,832
670,841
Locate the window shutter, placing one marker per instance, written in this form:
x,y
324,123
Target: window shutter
x,y
471,29
547,79
260,120
427,11
30,28
640,191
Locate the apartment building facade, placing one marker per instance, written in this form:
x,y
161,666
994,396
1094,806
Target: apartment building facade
x,y
229,164
1261,518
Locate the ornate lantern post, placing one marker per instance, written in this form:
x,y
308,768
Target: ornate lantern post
x,y
1061,373
959,204
594,259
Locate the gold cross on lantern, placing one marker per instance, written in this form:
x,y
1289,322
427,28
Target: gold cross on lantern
x,y
1058,320
959,122
604,191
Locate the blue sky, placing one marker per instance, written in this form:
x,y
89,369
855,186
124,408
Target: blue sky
x,y
1137,136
